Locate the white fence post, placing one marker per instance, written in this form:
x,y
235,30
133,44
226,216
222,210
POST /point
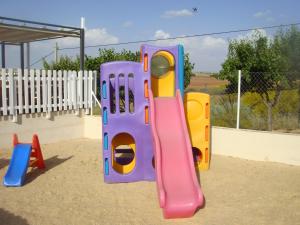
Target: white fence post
x,y
238,100
38,90
12,95
54,90
32,91
11,92
59,90
90,97
26,91
44,88
20,91
49,106
95,82
4,98
65,90
69,91
85,84
74,88
80,88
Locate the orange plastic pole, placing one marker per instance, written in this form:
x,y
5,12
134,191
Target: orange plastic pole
x,y
146,115
146,62
146,94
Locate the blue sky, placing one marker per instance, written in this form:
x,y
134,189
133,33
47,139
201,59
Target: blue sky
x,y
119,21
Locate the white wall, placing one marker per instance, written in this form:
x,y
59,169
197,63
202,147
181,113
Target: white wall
x,y
61,126
93,127
256,145
246,144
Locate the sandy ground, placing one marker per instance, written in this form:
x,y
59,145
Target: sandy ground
x,y
71,191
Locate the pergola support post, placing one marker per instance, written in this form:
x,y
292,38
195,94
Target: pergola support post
x,y
3,54
22,57
82,49
28,55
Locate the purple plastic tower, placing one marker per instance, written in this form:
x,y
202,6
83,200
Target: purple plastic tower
x,y
130,79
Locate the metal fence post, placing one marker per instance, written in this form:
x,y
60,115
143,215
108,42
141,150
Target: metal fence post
x,y
238,100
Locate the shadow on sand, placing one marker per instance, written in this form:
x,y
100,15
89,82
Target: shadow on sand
x,y
8,218
198,176
4,163
199,181
50,164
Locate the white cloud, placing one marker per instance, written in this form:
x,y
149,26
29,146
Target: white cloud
x,y
212,42
208,53
127,24
266,15
160,34
99,35
176,13
92,37
262,14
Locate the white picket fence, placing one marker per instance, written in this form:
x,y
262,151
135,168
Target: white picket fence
x,y
48,91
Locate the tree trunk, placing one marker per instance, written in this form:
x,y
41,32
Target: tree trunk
x,y
270,104
270,122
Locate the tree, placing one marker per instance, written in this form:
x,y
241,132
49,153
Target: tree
x,y
109,55
257,56
64,63
188,70
289,41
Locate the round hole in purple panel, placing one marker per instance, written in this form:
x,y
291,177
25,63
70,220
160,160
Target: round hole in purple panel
x,y
123,153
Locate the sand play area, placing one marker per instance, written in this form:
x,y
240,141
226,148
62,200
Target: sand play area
x,y
71,191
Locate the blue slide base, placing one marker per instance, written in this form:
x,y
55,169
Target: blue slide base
x,y
17,169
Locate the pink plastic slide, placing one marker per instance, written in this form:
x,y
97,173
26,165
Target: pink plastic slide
x,y
178,190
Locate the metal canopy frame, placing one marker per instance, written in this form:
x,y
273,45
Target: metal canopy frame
x,y
18,32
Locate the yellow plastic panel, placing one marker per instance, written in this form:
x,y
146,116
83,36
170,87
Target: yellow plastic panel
x,y
164,85
197,112
126,140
